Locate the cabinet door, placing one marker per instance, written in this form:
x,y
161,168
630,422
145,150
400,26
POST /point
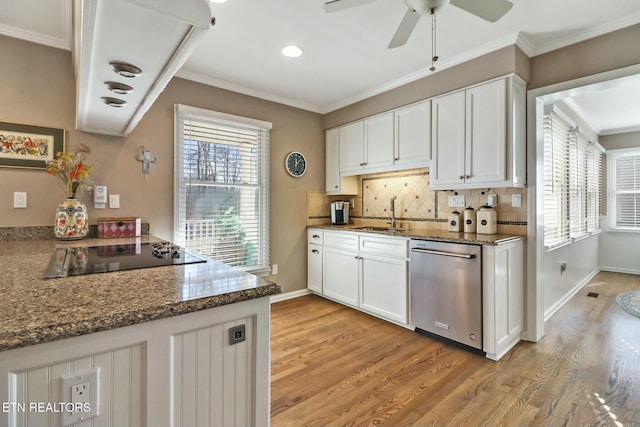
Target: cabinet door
x,y
486,148
448,139
384,287
352,147
332,147
340,275
378,147
412,142
314,268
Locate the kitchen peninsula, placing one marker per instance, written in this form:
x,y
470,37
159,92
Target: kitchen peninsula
x,y
160,340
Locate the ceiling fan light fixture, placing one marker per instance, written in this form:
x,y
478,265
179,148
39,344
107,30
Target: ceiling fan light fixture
x,y
426,7
292,51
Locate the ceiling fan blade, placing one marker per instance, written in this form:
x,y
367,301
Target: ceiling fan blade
x,y
336,5
489,10
405,28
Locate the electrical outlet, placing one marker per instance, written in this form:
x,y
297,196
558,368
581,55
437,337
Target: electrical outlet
x,y
274,269
81,394
456,201
80,391
516,200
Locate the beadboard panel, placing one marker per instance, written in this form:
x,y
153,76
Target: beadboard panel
x,y
121,389
211,379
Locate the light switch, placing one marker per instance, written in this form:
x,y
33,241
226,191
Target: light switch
x,y
20,200
114,201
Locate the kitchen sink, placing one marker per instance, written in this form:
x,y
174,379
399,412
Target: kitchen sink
x,y
381,229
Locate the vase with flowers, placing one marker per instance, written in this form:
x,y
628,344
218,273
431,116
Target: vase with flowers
x,y
72,220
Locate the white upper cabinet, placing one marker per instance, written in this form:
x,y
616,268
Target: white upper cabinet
x,y
412,141
352,146
335,182
479,137
378,147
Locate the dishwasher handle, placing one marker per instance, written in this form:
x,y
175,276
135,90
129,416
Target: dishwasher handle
x,y
434,252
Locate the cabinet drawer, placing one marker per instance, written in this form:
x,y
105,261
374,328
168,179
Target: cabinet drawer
x,y
395,247
315,236
341,240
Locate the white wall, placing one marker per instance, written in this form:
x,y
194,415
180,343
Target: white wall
x,y
581,258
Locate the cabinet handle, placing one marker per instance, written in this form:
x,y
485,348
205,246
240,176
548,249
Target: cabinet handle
x,y
461,176
315,251
467,176
395,159
363,164
315,236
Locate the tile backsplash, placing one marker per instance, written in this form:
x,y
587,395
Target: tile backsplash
x,y
417,206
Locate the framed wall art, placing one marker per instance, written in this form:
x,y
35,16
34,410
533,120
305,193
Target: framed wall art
x,y
27,146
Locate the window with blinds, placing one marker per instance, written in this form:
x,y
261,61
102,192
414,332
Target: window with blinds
x,y
572,181
624,183
221,206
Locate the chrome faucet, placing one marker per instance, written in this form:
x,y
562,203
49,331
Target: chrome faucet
x,y
392,222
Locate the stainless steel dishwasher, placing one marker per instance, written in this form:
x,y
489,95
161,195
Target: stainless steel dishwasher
x,y
446,291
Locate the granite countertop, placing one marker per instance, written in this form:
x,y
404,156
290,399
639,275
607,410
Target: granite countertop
x,y
436,235
34,310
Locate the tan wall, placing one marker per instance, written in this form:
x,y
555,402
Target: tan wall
x,y
38,88
604,53
620,140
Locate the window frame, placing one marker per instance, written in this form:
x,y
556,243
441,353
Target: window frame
x,y
612,192
181,112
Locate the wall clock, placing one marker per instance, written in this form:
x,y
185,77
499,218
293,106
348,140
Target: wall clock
x,y
296,164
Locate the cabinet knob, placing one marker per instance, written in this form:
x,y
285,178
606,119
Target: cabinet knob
x,y
315,251
467,176
395,159
461,176
335,186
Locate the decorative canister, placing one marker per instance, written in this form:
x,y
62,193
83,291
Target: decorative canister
x,y
469,220
72,220
487,219
455,224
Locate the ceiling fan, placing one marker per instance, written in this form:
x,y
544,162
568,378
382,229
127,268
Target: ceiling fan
x,y
489,10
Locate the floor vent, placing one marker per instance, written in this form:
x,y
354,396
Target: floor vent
x,y
593,294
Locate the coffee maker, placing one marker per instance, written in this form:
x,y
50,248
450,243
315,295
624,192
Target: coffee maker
x,y
339,212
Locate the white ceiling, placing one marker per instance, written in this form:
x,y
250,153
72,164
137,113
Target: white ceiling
x,y
345,53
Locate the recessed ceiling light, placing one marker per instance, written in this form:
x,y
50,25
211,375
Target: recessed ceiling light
x,y
292,51
124,69
217,1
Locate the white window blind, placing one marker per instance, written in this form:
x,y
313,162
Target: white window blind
x,y
556,180
625,191
572,181
222,187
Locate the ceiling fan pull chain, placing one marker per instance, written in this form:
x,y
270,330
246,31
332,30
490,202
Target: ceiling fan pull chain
x,y
434,55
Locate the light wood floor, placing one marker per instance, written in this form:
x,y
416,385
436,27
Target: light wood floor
x,y
334,366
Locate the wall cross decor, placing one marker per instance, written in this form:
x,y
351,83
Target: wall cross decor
x,y
146,157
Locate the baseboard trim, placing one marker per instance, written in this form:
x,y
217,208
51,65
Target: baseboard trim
x,y
620,270
289,295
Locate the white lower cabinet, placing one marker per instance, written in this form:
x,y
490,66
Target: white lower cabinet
x,y
503,297
384,286
364,271
341,273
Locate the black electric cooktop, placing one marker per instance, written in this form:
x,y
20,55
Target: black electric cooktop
x,y
75,261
